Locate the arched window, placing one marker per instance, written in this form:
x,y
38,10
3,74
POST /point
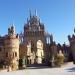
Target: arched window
x,y
6,54
0,49
15,54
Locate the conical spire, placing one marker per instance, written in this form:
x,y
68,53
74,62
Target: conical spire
x,y
35,12
30,14
51,38
74,30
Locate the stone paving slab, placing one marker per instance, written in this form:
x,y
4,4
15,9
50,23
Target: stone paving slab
x,y
66,70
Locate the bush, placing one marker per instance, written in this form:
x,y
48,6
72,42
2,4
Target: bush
x,y
59,58
1,65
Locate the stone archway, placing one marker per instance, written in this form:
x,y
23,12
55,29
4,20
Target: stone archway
x,y
40,52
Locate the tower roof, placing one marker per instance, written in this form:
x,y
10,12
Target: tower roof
x,y
33,19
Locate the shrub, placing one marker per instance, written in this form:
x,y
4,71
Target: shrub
x,y
59,58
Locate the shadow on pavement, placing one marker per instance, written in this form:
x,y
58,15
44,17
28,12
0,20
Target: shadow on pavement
x,y
37,66
42,67
71,69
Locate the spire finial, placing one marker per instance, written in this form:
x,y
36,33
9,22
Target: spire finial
x,y
74,30
35,12
51,38
30,13
27,19
13,23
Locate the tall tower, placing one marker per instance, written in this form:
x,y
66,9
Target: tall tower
x,y
34,31
72,45
12,48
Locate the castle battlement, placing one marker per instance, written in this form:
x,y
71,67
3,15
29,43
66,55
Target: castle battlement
x,y
15,36
71,38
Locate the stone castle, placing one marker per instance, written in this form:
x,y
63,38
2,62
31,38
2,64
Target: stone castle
x,y
34,44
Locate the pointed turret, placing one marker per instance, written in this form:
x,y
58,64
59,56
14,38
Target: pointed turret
x,y
51,38
74,30
30,14
11,30
35,12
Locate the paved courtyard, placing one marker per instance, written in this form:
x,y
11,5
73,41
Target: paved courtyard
x,y
65,70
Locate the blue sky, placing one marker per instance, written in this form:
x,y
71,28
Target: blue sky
x,y
57,15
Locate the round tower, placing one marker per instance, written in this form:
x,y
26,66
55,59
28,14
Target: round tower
x,y
12,48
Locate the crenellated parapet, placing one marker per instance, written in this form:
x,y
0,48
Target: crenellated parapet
x,y
16,36
71,38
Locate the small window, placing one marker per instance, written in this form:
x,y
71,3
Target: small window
x,y
0,49
6,54
15,54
